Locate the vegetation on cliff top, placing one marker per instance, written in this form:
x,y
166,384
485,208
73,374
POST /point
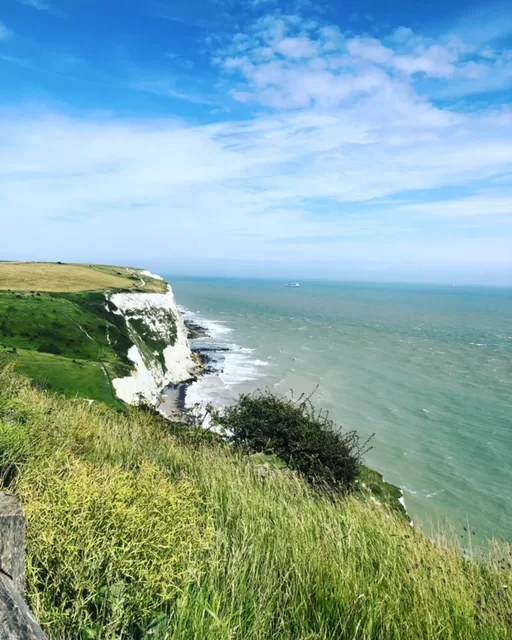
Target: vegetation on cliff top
x,y
62,277
138,528
55,325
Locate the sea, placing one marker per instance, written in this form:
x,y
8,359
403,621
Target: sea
x,y
426,369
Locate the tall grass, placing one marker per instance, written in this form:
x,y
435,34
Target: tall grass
x,y
138,529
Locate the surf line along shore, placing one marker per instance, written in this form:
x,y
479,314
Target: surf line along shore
x,y
207,354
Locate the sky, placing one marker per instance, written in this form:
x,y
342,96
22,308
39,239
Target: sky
x,y
295,139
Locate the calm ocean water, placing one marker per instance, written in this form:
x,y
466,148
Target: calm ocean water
x,y
427,369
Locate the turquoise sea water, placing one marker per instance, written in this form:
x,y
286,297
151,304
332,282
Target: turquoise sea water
x,y
427,369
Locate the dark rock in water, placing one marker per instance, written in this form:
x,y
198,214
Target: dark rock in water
x,y
205,355
207,364
195,330
181,394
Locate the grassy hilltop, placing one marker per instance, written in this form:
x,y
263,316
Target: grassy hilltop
x,y
57,277
138,528
54,324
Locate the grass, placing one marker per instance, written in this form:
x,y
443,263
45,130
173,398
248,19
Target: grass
x,y
33,322
142,529
58,277
69,343
73,378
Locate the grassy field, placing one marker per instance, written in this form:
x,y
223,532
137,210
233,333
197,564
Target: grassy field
x,y
57,277
55,326
73,378
67,342
142,529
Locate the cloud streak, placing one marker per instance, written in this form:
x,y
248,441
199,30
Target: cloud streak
x,y
37,4
4,31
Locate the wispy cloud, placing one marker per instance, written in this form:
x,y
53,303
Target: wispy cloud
x,y
184,13
480,205
127,77
4,31
36,4
165,87
20,62
485,23
179,61
39,5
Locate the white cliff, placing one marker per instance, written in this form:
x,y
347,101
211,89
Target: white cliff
x,y
152,319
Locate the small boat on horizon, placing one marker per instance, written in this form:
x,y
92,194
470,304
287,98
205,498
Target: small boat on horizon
x,y
292,284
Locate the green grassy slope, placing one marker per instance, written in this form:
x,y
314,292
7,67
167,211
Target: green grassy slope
x,y
72,378
142,529
67,340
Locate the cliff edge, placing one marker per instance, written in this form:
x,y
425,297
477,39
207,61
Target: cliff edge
x,y
160,351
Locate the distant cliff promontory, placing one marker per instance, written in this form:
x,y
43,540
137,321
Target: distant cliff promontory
x,y
93,331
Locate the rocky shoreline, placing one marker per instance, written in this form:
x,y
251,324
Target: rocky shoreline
x,y
175,394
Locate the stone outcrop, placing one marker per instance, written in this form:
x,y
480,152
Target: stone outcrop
x,y
16,620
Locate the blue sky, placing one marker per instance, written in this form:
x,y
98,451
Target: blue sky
x,y
261,138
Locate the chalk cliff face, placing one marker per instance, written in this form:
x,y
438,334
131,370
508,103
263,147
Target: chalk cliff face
x,y
160,353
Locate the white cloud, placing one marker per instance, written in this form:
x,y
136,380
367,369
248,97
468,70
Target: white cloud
x,y
296,47
478,205
37,4
166,88
402,34
4,31
370,49
287,63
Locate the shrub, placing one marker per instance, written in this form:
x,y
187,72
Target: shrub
x,y
49,348
307,440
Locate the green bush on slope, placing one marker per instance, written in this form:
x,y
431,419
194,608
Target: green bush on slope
x,y
305,439
140,529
